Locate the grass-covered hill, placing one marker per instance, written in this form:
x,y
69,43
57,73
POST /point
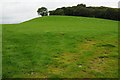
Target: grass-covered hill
x,y
61,47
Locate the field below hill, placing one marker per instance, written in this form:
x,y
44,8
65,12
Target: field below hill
x,y
60,47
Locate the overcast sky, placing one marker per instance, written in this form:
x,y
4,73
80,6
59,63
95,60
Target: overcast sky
x,y
16,11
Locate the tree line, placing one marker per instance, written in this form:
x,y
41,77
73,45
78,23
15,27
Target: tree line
x,y
82,10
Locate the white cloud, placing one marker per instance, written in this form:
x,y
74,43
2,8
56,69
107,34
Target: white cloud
x,y
15,11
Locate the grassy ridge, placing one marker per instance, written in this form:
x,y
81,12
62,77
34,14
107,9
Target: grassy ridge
x,y
61,46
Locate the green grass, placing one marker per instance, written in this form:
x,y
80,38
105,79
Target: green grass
x,y
0,51
61,47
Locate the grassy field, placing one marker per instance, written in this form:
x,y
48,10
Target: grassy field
x,y
0,51
61,47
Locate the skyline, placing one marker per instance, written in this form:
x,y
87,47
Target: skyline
x,y
24,10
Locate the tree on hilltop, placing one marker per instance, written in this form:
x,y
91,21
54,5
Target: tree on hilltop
x,y
43,11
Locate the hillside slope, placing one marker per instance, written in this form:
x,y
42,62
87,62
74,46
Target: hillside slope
x,y
61,46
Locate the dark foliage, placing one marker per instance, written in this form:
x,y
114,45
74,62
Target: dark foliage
x,y
42,11
82,10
